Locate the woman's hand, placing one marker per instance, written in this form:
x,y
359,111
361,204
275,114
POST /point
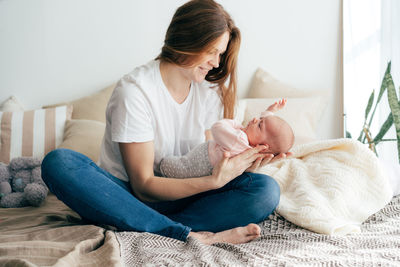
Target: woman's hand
x,y
230,168
267,158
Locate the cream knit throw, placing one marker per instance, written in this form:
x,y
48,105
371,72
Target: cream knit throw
x,y
330,186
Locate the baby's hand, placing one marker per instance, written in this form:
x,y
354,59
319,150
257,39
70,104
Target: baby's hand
x,y
277,105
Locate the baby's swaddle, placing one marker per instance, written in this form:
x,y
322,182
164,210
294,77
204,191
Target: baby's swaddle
x,y
194,164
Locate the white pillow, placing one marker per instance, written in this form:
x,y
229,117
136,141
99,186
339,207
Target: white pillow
x,y
240,110
11,104
264,85
303,114
32,133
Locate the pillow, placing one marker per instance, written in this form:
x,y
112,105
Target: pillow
x,y
84,136
11,104
92,107
303,114
240,110
265,86
32,133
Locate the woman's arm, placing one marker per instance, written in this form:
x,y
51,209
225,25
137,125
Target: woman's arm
x,y
138,161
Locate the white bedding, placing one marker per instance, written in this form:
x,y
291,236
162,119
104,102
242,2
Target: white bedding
x,y
330,186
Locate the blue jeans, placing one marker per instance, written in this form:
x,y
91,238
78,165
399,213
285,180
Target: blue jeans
x,y
98,196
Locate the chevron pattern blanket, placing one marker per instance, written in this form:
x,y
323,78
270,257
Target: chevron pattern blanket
x,y
282,243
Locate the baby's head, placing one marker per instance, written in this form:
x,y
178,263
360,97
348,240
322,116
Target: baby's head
x,y
271,131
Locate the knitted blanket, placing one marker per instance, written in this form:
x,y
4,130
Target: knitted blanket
x,y
330,186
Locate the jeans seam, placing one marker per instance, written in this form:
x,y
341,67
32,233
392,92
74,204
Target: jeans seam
x,y
250,178
185,232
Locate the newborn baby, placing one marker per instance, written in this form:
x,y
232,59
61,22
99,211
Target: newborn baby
x,y
230,136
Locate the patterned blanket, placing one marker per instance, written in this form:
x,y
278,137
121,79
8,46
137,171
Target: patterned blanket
x,y
281,244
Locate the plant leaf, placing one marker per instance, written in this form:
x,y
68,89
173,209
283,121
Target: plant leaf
x,y
367,110
381,91
348,134
385,127
370,101
384,81
394,107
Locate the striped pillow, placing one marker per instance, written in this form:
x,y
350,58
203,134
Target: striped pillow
x,y
32,133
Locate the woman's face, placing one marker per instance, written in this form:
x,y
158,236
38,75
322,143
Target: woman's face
x,y
209,60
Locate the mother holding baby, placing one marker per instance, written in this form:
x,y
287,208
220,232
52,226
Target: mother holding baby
x,y
165,108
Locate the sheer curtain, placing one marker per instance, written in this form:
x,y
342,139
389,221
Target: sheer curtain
x,y
371,39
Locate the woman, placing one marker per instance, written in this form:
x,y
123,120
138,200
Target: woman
x,y
165,108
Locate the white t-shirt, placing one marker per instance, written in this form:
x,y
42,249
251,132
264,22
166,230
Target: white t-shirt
x,y
141,109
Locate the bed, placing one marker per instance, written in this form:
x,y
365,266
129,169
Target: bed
x,y
54,235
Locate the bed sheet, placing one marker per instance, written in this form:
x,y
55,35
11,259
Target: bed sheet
x,y
54,235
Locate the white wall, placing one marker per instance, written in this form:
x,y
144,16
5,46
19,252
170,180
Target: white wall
x,y
54,50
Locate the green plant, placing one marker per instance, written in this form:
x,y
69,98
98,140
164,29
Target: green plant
x,y
393,117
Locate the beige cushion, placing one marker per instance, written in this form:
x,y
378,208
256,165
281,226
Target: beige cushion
x,y
303,114
92,107
264,85
32,133
84,136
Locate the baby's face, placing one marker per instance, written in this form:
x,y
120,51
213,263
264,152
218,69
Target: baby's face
x,y
257,131
271,131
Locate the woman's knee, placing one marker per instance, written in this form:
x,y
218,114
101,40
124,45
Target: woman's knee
x,y
61,170
266,192
63,155
61,160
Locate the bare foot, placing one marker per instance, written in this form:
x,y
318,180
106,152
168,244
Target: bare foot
x,y
236,235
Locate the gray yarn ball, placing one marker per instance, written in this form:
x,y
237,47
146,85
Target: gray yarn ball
x,y
13,200
5,188
35,193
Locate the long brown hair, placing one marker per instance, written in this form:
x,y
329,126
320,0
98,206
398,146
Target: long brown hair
x,y
194,28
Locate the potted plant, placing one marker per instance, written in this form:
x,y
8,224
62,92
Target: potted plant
x,y
393,117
